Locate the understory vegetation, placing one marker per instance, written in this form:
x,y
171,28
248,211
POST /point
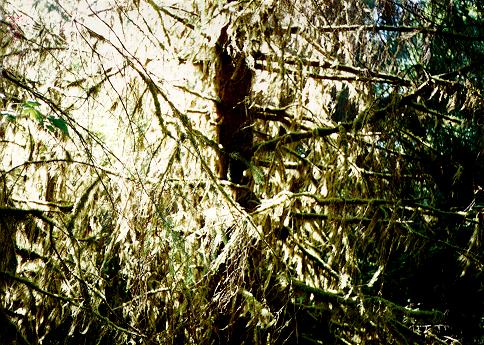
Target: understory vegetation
x,y
242,172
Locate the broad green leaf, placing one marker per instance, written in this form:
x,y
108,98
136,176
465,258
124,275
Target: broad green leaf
x,y
31,103
11,116
34,114
59,123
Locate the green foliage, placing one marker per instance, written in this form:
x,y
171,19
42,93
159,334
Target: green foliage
x,y
9,115
59,123
30,108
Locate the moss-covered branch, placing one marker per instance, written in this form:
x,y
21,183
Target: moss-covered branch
x,y
368,300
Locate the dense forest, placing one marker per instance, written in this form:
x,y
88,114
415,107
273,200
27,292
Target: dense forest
x,y
242,172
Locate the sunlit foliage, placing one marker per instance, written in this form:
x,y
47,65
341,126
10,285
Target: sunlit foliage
x,y
360,217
